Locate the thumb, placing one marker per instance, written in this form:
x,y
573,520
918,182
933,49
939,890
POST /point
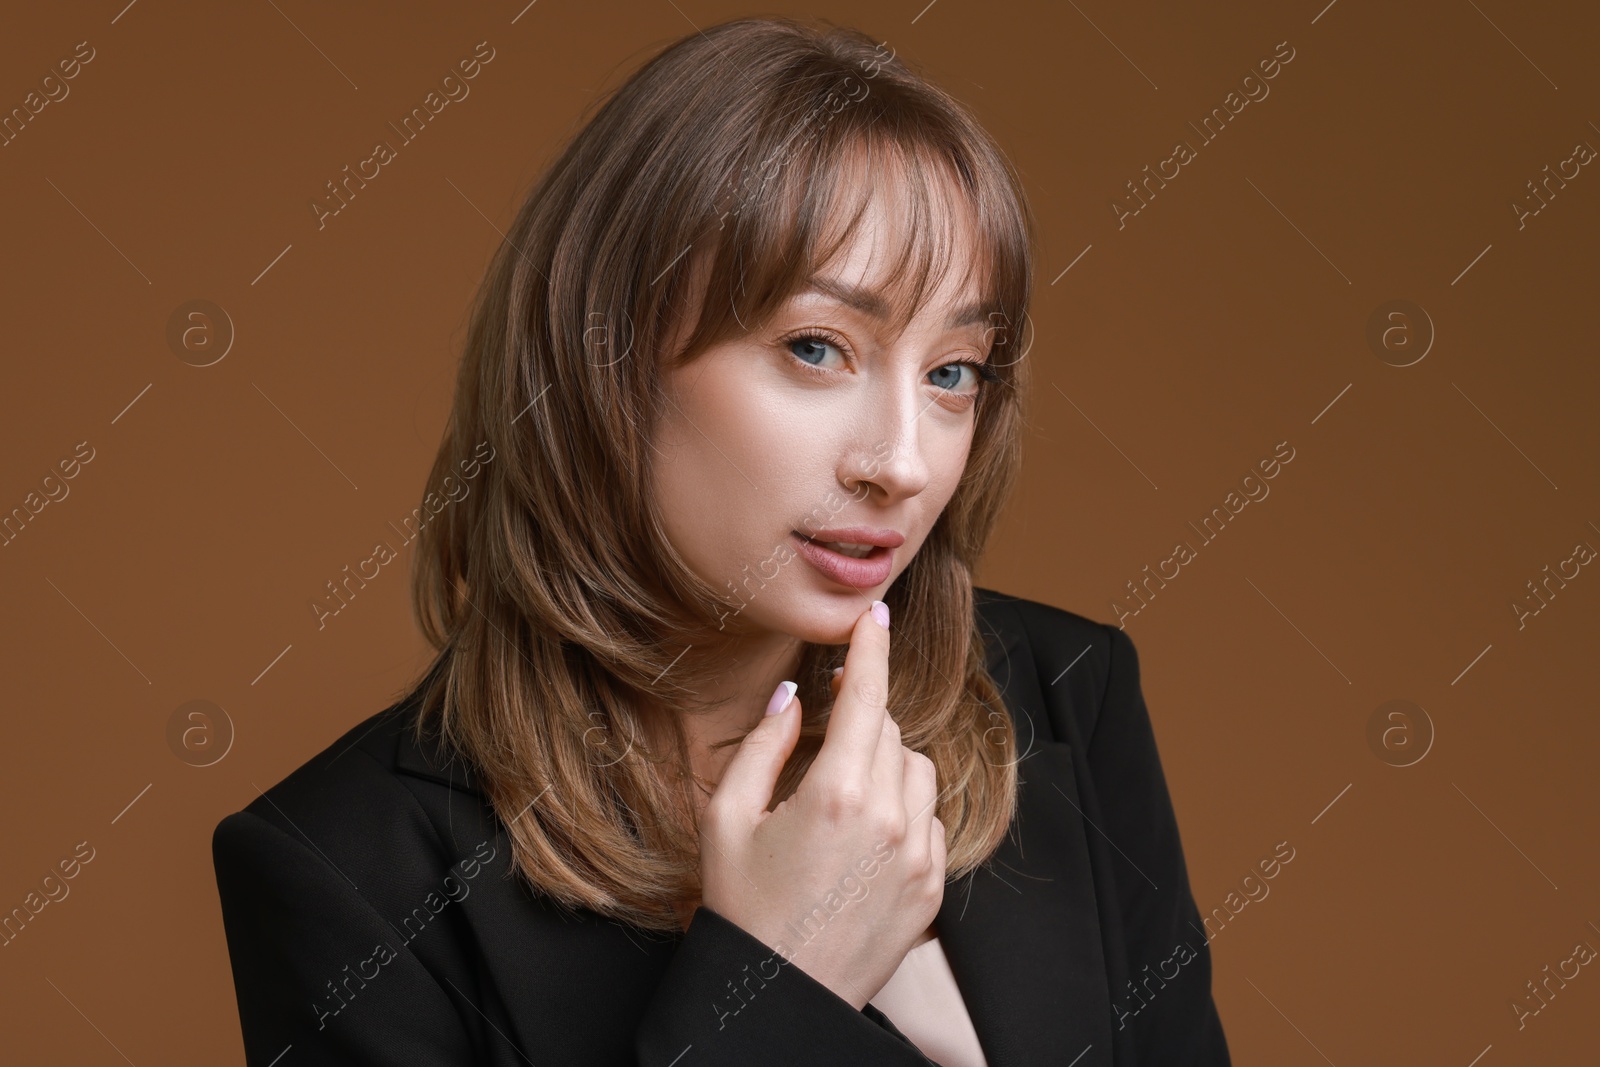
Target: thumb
x,y
752,773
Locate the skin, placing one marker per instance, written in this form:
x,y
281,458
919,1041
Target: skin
x,y
753,442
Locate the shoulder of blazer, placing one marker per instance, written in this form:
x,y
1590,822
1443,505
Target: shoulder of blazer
x,y
352,804
1070,656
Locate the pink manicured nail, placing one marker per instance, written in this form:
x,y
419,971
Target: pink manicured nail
x,y
880,611
781,697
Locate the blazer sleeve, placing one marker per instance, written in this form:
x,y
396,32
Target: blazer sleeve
x,y
729,999
1179,1027
316,969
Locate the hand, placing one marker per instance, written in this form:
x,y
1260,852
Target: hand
x,y
860,826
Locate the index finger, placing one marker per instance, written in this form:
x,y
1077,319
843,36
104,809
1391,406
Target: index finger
x,y
856,724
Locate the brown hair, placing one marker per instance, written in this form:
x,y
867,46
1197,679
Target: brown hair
x,y
551,594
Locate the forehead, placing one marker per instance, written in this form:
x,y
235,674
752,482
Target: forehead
x,y
966,308
896,226
869,269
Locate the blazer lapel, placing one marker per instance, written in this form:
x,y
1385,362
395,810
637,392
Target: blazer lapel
x,y
1022,932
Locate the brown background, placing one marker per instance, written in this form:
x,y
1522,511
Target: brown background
x,y
1229,315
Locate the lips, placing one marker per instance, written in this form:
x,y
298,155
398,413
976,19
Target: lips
x,y
860,535
865,572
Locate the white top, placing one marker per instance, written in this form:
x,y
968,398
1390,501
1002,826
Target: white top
x,y
923,1002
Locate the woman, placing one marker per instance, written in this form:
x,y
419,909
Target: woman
x,y
742,386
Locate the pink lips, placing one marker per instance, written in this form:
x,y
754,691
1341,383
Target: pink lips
x,y
865,573
860,535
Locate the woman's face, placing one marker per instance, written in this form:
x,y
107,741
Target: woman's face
x,y
816,423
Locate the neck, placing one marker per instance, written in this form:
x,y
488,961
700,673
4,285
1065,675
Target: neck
x,y
735,703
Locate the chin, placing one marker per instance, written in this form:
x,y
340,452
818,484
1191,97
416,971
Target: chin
x,y
823,616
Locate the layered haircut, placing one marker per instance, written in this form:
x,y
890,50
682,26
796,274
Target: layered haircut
x,y
699,196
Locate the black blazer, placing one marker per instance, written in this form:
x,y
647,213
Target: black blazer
x,y
370,919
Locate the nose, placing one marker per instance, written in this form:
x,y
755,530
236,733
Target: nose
x,y
888,454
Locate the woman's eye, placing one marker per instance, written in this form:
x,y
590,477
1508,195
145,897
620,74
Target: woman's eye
x,y
949,375
811,345
811,349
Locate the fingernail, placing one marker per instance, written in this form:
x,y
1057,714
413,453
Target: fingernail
x,y
880,611
838,671
781,697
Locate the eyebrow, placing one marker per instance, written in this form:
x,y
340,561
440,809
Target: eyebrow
x,y
869,302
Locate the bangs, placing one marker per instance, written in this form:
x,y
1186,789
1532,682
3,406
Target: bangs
x,y
801,197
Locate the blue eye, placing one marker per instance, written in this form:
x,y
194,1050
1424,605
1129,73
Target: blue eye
x,y
815,342
980,370
957,367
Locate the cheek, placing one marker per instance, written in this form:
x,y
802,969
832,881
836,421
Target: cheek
x,y
691,484
950,465
723,473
